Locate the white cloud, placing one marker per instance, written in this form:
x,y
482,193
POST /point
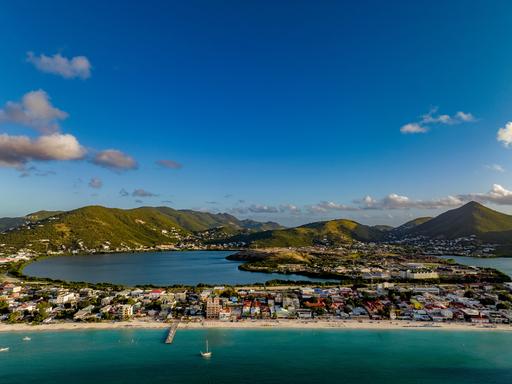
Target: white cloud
x,y
95,183
142,193
326,206
464,117
390,202
495,168
115,160
395,201
497,195
290,208
78,66
169,164
433,118
35,111
255,208
505,134
413,128
16,151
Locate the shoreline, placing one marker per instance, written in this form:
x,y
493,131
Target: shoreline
x,y
260,324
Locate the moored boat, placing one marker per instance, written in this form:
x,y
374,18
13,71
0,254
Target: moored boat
x,y
207,354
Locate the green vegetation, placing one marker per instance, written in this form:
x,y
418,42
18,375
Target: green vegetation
x,y
471,219
96,229
332,232
41,215
93,227
410,225
13,222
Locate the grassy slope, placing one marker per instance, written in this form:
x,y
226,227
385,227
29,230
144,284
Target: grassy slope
x,y
334,231
195,221
410,225
471,219
95,225
41,215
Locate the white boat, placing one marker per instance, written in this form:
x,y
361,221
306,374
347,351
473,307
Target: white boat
x,y
207,354
6,349
26,338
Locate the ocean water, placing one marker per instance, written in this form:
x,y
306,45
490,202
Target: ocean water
x,y
158,268
503,264
258,356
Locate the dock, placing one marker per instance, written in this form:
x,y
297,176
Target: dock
x,y
172,332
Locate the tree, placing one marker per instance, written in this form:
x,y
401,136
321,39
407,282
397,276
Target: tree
x,y
4,307
42,311
13,317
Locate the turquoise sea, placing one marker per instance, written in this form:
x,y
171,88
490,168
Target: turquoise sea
x,y
258,356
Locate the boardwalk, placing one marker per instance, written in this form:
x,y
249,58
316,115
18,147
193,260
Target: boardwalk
x,y
172,332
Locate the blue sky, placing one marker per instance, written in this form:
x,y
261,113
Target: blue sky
x,y
293,111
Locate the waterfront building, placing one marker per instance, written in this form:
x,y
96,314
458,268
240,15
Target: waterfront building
x,y
419,274
213,308
126,311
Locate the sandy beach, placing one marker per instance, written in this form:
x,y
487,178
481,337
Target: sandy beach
x,y
260,324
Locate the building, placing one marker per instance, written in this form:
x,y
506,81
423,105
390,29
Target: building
x,y
64,298
419,274
213,308
156,293
125,311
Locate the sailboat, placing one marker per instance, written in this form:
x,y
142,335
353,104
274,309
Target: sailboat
x,y
207,354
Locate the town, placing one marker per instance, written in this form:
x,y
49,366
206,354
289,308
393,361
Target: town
x,y
43,303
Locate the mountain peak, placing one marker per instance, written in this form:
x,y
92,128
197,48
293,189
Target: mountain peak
x,y
474,205
472,218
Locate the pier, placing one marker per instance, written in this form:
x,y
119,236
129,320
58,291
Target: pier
x,y
172,332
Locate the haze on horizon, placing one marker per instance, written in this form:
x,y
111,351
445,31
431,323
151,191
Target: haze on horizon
x,y
290,111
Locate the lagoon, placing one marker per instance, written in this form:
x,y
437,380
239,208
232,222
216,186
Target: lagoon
x,y
157,268
503,264
258,356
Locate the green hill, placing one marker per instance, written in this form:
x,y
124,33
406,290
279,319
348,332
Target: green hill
x,y
470,219
93,227
7,223
195,221
332,232
409,226
41,215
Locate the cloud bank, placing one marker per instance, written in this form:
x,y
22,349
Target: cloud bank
x,y
78,66
504,134
115,160
34,111
16,151
95,183
433,118
169,164
143,193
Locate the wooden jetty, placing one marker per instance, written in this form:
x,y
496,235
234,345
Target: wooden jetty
x,y
172,332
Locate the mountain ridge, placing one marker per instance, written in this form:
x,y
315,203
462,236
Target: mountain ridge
x,y
93,227
472,219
